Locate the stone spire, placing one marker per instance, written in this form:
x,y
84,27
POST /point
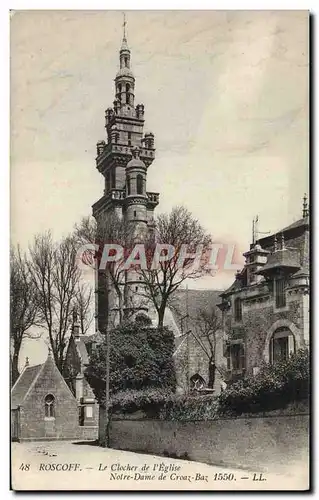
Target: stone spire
x,y
124,81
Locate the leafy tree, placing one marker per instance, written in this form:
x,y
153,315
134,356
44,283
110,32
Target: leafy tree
x,y
140,357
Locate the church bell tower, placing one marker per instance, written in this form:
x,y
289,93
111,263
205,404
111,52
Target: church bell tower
x,y
123,159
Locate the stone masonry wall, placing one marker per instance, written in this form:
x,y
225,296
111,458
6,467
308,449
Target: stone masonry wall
x,y
268,443
258,319
32,414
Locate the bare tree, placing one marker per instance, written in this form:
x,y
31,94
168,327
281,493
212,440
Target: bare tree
x,y
83,301
56,278
183,235
24,307
206,333
109,230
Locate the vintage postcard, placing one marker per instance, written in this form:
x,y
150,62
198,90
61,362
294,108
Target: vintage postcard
x,y
159,262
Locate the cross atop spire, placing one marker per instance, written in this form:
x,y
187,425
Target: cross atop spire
x,y
124,45
124,26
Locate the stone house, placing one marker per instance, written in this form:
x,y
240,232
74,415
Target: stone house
x,y
266,309
42,405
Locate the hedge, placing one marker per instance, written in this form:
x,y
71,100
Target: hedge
x,y
276,387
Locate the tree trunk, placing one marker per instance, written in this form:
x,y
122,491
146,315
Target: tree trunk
x,y
211,373
161,313
14,368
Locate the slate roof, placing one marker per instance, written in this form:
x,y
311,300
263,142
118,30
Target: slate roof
x,y
268,240
285,259
81,347
22,385
95,337
298,223
83,341
197,300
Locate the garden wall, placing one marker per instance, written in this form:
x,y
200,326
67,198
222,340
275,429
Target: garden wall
x,y
260,443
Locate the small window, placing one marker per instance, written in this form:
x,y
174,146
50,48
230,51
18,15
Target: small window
x,y
113,178
128,186
136,288
139,184
134,213
238,309
129,138
89,412
126,62
280,294
49,403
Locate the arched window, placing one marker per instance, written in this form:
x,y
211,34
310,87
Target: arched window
x,y
126,61
119,88
49,406
281,345
197,382
139,184
128,186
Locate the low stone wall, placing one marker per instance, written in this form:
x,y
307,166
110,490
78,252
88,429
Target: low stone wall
x,y
262,443
88,433
82,433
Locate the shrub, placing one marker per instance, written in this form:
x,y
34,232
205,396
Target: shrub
x,y
150,401
140,357
192,408
275,386
165,405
